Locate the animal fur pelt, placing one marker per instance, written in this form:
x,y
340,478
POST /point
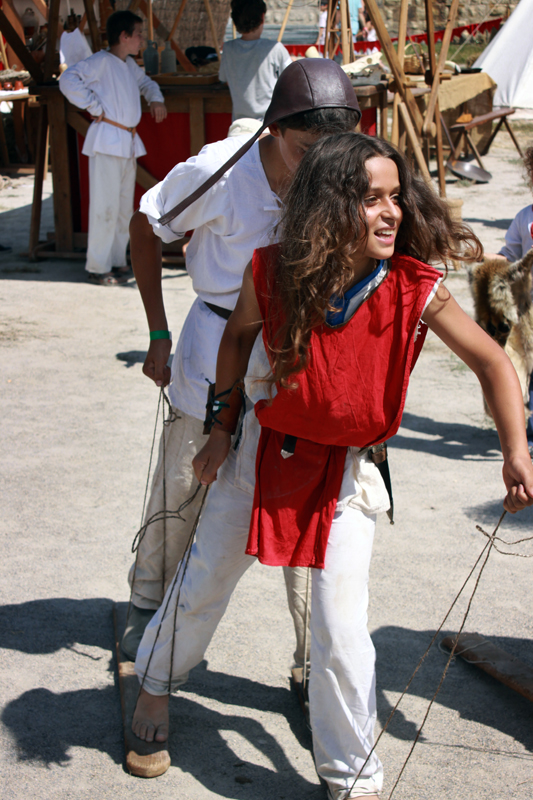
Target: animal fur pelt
x,y
503,308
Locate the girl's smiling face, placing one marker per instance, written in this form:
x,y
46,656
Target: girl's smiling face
x,y
382,208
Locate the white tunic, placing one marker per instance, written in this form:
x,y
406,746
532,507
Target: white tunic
x,y
106,83
229,221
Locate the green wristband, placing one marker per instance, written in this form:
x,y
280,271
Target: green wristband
x,y
160,335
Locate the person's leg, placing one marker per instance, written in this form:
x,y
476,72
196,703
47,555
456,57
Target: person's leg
x,y
163,543
342,694
125,210
181,632
105,177
296,585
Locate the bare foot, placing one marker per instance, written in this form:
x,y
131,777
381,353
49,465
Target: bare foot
x,y
150,719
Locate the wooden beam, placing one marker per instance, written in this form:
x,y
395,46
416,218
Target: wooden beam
x,y
150,16
212,26
41,6
402,33
345,33
96,39
396,68
19,48
50,55
506,668
63,222
196,124
40,172
441,169
285,20
177,20
414,142
446,39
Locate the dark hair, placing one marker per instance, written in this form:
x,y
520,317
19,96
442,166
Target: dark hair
x,y
528,163
323,121
247,14
121,21
323,225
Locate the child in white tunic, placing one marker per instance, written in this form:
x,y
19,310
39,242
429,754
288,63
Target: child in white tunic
x,y
108,85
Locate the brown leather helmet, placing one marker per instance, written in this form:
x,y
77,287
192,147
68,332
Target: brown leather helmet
x,y
304,85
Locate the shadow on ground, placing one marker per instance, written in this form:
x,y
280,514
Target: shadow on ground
x,y
502,224
448,439
46,725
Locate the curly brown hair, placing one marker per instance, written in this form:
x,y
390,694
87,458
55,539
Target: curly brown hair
x,y
528,164
324,223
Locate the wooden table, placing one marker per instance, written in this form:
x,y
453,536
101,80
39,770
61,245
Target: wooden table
x,y
197,115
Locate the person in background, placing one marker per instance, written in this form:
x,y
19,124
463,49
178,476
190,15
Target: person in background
x,y
322,22
251,65
108,85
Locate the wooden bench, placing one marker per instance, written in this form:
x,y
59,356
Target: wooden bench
x,y
463,132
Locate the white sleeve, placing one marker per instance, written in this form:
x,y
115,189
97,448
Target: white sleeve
x,y
284,58
179,184
512,250
147,87
78,83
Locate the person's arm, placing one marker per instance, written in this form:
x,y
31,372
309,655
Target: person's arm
x,y
500,386
232,363
512,249
151,91
145,248
75,84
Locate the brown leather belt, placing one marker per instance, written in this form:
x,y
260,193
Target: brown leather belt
x,y
133,131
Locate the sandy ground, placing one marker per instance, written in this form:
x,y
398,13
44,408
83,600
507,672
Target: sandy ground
x,y
75,440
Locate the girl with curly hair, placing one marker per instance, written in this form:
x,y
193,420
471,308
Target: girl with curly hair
x,y
342,305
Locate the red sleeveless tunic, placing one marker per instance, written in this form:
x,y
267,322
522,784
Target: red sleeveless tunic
x,y
351,394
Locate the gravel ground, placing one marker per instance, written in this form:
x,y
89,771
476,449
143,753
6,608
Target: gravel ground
x,y
75,439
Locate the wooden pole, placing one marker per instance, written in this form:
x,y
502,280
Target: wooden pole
x,y
213,27
446,39
41,162
5,62
396,68
177,19
150,22
96,39
285,20
402,34
19,48
414,142
53,23
345,31
435,76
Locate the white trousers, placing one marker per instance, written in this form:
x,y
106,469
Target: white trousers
x,y
111,189
342,682
164,542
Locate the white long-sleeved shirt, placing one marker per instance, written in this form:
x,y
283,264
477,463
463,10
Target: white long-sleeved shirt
x,y
106,83
229,221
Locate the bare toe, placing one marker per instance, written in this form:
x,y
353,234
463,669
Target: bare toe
x,y
150,719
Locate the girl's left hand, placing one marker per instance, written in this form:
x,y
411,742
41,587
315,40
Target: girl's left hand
x,y
518,478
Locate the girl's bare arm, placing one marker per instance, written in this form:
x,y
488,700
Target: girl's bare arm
x,y
233,356
500,386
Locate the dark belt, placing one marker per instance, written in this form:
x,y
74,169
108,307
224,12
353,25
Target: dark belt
x,y
225,313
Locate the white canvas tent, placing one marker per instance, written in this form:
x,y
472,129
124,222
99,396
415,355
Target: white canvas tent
x,y
509,59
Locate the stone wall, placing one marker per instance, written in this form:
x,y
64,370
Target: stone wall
x,y
305,12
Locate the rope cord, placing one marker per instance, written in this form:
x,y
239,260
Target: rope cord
x,y
163,398
182,568
488,546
